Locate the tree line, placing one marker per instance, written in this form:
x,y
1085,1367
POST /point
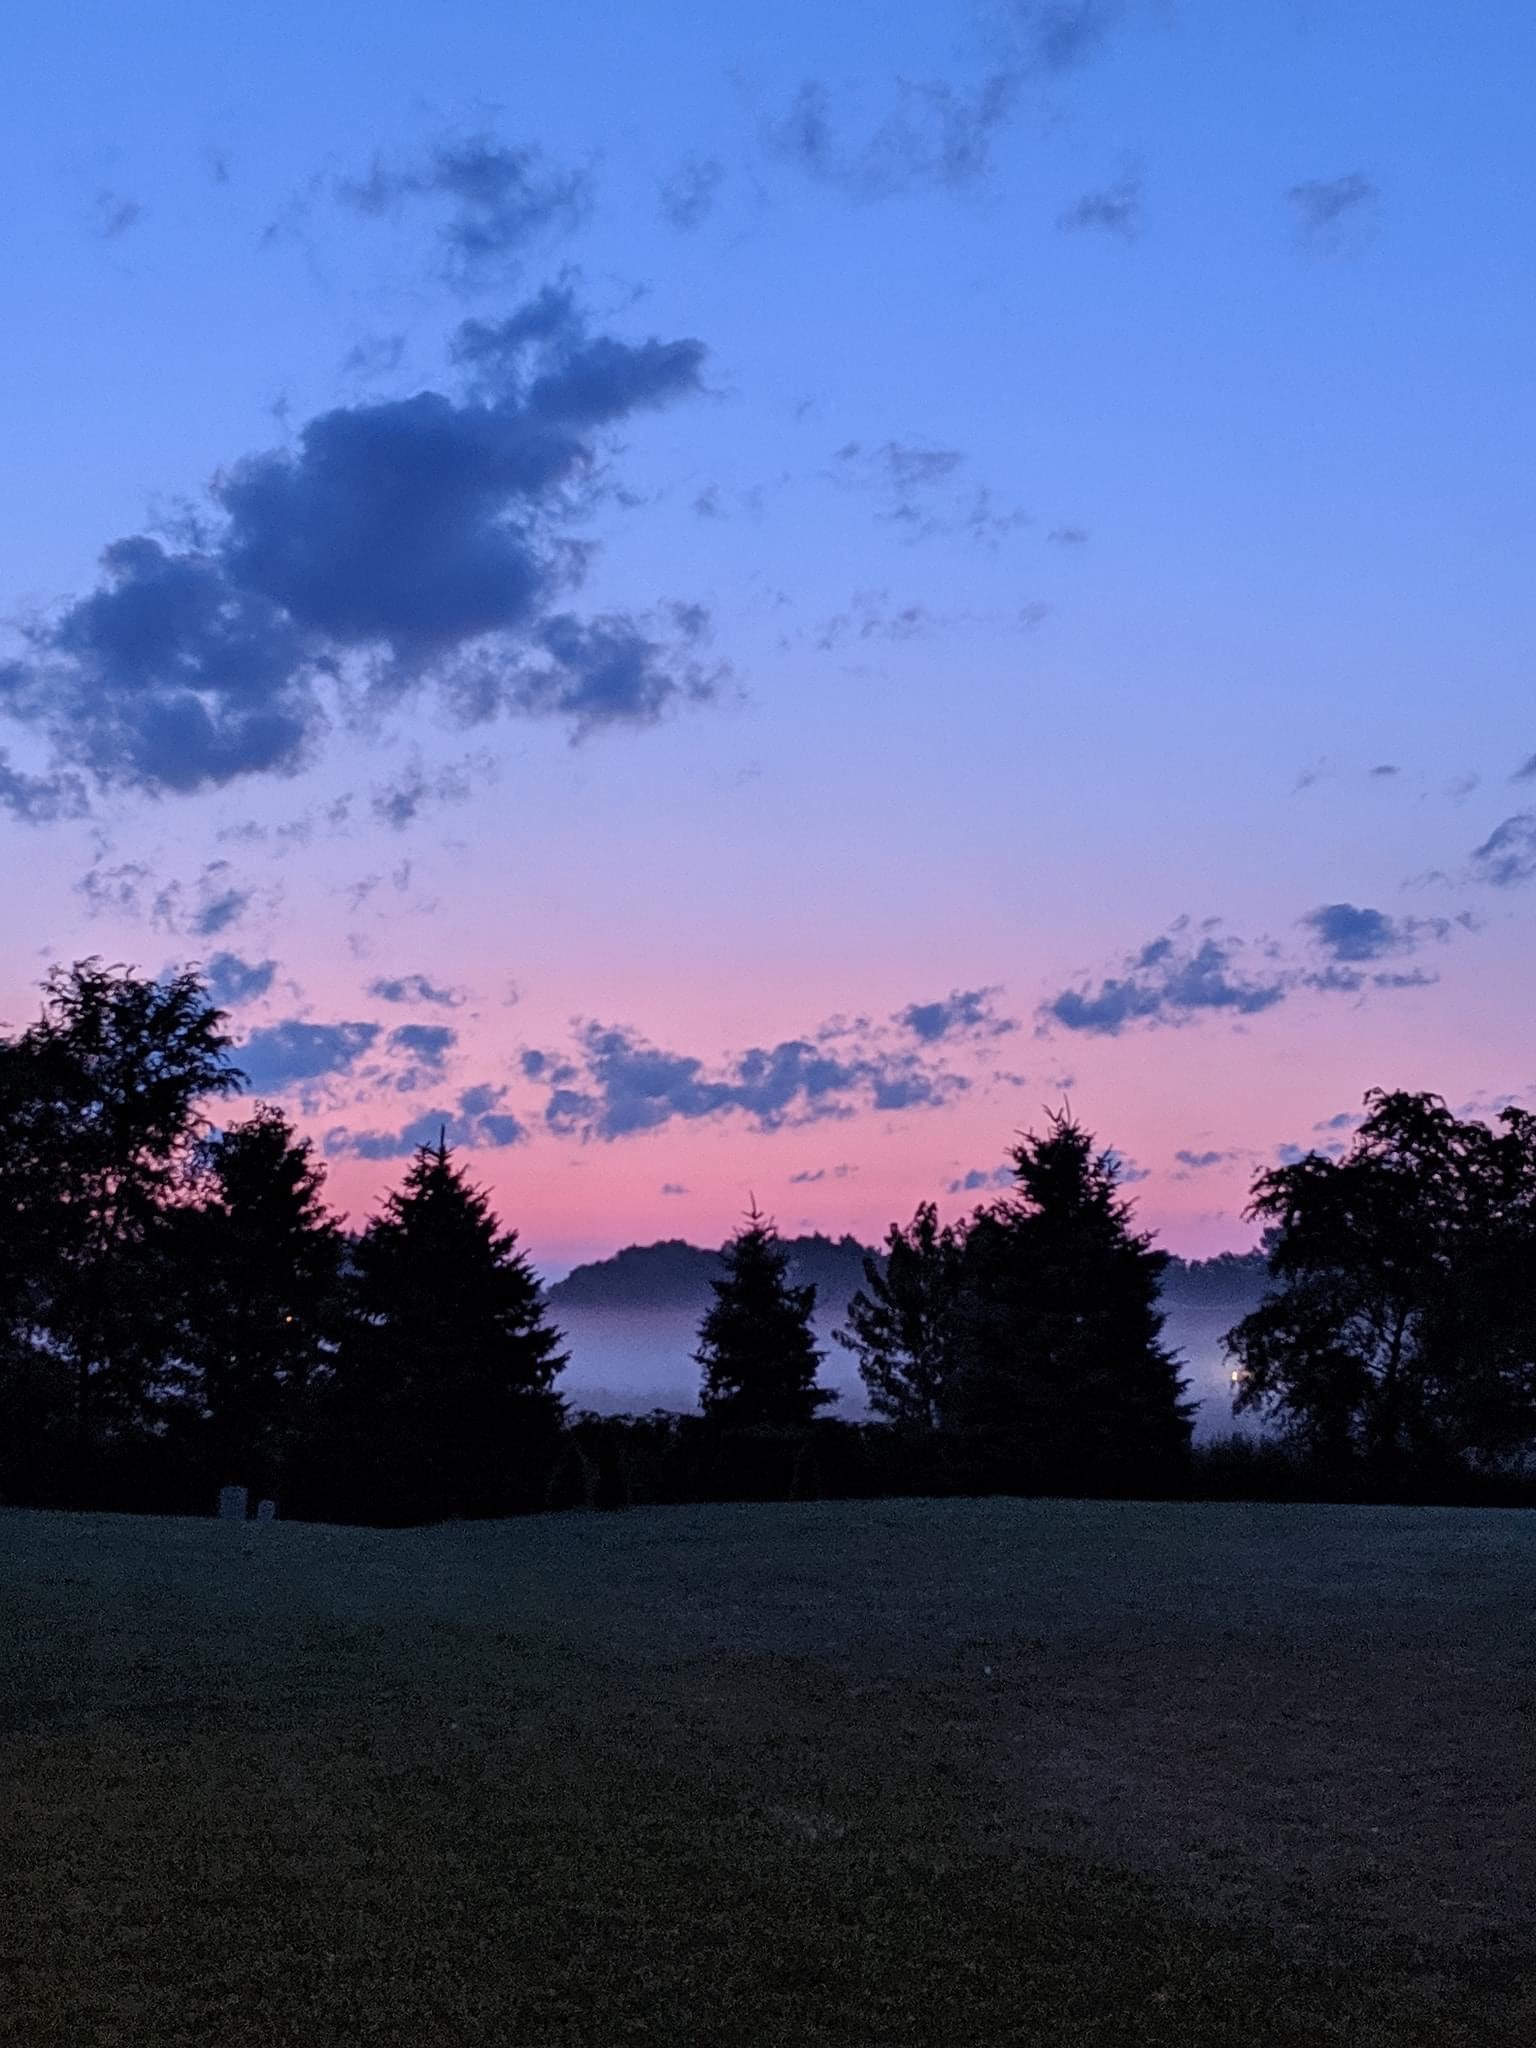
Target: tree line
x,y
180,1310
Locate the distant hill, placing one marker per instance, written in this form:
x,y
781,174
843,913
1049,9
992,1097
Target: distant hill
x,y
675,1275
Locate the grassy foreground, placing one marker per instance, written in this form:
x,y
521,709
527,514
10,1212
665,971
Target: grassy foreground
x,y
888,1773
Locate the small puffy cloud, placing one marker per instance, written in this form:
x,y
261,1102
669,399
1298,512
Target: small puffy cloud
x,y
426,1044
1115,211
1170,981
811,1176
673,1187
979,1179
493,201
229,979
620,1085
923,491
1507,856
1526,772
1328,209
1068,536
281,1057
1054,36
1197,1162
687,198
414,542
415,988
964,1013
1352,932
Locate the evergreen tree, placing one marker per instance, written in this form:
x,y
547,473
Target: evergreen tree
x,y
1065,1378
904,1323
261,1319
446,1378
758,1352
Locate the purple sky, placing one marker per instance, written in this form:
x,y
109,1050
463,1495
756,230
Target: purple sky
x,y
738,607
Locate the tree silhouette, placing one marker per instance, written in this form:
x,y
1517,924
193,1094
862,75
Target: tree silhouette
x,y
1064,1377
903,1323
756,1346
261,1323
446,1376
1401,1329
101,1100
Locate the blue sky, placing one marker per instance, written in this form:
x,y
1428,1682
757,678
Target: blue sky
x,y
1108,454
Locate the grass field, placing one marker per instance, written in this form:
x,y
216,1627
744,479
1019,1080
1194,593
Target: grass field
x,y
909,1772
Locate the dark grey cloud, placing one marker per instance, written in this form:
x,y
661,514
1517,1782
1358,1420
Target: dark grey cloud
x,y
811,1176
1198,1162
1329,210
1170,981
415,988
229,979
1507,856
494,202
1526,772
1115,211
673,1187
687,197
964,1013
621,1085
278,1058
410,542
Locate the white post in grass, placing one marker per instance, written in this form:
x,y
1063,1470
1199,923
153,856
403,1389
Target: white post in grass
x,y
232,1503
266,1511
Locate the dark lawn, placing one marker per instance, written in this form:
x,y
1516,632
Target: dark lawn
x,y
903,1772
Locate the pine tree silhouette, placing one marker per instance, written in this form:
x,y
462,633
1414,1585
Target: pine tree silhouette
x,y
758,1352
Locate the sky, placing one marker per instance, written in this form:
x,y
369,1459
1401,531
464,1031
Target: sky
x,y
738,606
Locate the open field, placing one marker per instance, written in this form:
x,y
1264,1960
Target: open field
x,y
907,1772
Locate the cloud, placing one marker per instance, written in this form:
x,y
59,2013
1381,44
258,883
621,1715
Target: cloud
x,y
279,1057
409,542
400,802
116,214
937,135
1054,36
1351,932
1167,982
429,1044
907,476
1116,211
1068,536
1197,1162
964,1013
619,1084
810,1178
1526,772
475,1126
415,988
229,979
979,1178
688,197
40,799
1507,856
1329,208
494,201
673,1187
